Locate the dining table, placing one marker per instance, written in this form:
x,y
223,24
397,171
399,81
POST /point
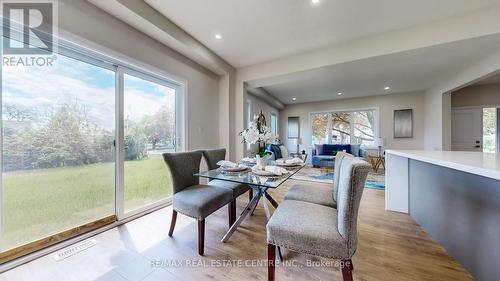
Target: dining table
x,y
260,184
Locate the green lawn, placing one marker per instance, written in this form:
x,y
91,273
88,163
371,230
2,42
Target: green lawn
x,y
42,202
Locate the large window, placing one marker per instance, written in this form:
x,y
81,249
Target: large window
x,y
344,127
363,127
58,154
81,146
320,123
341,127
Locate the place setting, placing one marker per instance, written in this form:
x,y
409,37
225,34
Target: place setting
x,y
229,166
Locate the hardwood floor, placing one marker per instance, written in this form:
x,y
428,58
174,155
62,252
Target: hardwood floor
x,y
391,247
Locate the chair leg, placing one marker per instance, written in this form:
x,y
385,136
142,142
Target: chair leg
x,y
271,261
250,195
280,256
172,223
231,212
347,270
201,237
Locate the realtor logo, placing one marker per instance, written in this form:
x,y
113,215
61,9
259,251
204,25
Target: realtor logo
x,y
28,27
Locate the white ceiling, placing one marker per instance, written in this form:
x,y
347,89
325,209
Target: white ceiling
x,y
409,71
254,31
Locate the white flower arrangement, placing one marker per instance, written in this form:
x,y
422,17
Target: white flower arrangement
x,y
258,133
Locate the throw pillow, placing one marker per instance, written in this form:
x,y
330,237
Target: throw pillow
x,y
342,147
284,151
355,149
329,148
275,149
319,149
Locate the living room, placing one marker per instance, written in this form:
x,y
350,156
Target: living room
x,y
250,140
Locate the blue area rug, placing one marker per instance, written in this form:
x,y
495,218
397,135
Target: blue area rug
x,y
375,181
374,184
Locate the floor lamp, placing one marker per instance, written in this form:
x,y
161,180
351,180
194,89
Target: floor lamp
x,y
297,142
379,142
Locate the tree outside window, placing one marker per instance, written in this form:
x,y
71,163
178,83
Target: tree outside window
x,y
346,127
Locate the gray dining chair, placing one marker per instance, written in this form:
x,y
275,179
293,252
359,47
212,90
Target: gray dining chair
x,y
212,156
320,230
321,194
191,198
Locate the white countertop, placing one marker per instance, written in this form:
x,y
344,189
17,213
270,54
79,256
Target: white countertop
x,y
479,163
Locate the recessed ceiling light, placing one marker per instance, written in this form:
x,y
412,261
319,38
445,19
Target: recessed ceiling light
x,y
294,99
315,1
218,36
339,94
387,88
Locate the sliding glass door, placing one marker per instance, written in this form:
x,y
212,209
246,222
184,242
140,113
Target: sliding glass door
x,y
149,130
58,130
81,147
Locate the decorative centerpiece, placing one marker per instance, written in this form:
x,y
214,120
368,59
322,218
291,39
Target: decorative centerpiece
x,y
259,133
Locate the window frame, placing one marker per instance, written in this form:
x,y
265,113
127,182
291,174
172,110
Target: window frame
x,y
276,129
376,129
248,119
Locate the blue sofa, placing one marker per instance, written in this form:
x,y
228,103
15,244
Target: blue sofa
x,y
322,155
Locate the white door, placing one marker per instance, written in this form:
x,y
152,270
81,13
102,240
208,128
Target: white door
x,y
466,129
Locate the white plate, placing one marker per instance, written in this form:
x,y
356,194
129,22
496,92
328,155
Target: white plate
x,y
235,169
287,164
259,172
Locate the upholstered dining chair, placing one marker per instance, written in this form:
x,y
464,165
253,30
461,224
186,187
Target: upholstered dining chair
x,y
191,198
332,233
321,194
212,156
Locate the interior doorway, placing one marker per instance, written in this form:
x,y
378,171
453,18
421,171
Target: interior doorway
x,y
475,129
466,129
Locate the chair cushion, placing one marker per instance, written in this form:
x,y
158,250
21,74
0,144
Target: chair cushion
x,y
317,194
237,188
324,157
199,201
307,228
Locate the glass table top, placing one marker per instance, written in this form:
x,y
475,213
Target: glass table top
x,y
247,177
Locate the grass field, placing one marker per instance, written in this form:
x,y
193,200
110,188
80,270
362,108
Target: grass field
x,y
42,202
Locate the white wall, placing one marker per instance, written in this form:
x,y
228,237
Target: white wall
x,y
386,105
477,95
84,20
258,105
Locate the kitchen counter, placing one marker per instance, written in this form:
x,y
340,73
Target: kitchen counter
x,y
479,163
455,197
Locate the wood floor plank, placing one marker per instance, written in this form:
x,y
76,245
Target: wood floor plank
x,y
391,247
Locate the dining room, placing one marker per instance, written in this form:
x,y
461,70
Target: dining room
x,y
249,140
